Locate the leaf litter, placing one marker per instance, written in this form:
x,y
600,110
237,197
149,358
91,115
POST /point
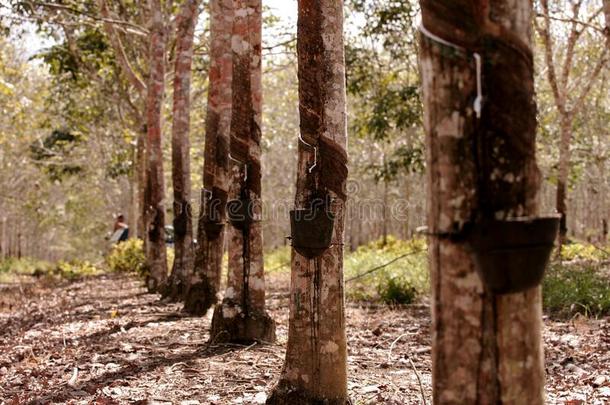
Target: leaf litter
x,y
104,340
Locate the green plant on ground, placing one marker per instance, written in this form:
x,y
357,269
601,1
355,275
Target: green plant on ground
x,y
13,267
278,260
128,257
582,251
402,281
24,265
75,269
397,290
568,290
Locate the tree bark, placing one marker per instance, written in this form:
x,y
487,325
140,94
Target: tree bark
x,y
315,368
204,283
181,166
607,20
563,174
3,238
140,167
156,257
486,348
241,317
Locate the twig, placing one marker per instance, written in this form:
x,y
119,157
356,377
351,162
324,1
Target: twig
x,y
573,21
136,29
374,269
600,249
421,386
392,346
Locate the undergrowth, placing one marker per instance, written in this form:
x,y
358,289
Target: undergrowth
x,y
568,290
12,268
129,257
583,252
579,283
401,282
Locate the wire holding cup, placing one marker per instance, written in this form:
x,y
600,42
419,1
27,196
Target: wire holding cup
x,y
315,154
244,164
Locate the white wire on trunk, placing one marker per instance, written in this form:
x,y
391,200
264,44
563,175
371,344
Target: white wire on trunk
x,y
478,101
315,153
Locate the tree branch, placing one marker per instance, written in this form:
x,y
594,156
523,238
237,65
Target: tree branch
x,y
548,56
135,29
575,21
601,63
573,37
115,40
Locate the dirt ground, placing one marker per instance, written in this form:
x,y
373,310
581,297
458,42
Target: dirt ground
x,y
104,340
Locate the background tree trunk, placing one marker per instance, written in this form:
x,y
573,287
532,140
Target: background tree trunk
x,y
607,20
181,147
4,239
486,348
204,284
241,317
315,368
563,175
140,167
569,99
156,258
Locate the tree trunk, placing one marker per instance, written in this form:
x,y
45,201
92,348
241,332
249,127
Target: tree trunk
x,y
563,174
140,167
241,317
315,368
385,212
605,208
486,348
204,283
607,20
132,216
181,147
3,239
156,258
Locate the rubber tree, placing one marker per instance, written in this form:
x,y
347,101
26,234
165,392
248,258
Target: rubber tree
x,y
569,98
138,110
154,194
315,368
204,283
181,167
486,348
241,317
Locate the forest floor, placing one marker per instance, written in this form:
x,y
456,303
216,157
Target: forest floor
x,y
104,340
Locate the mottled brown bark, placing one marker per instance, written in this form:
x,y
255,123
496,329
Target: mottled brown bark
x,y
607,21
204,284
140,168
564,171
315,367
181,166
156,259
241,316
487,348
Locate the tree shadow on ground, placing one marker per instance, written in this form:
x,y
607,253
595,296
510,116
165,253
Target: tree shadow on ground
x,y
131,369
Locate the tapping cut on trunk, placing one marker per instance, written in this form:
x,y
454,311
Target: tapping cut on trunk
x,y
204,281
241,316
315,369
